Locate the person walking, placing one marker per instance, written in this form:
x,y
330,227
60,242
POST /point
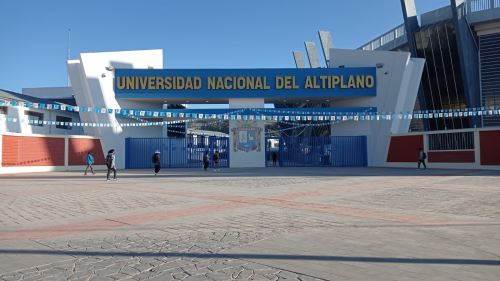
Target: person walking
x,y
275,158
90,161
206,161
216,159
421,158
110,163
156,161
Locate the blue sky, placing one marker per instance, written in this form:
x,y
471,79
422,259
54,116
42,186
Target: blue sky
x,y
193,33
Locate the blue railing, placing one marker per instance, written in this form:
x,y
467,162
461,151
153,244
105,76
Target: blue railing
x,y
175,152
335,151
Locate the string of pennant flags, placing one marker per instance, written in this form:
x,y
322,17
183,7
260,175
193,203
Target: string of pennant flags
x,y
254,114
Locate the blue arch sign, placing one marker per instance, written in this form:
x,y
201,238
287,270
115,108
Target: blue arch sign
x,y
245,83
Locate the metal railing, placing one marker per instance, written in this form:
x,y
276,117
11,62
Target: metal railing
x,y
474,6
451,141
386,38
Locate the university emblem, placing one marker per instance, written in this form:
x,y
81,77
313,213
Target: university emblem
x,y
246,137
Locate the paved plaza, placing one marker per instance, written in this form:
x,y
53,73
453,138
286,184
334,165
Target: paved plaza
x,y
252,224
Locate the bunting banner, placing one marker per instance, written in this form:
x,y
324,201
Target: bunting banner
x,y
265,114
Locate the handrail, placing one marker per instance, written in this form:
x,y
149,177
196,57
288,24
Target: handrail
x,y
385,38
474,6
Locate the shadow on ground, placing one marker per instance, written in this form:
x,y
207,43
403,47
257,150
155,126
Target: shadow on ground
x,y
259,256
265,172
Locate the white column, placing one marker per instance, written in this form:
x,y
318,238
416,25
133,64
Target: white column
x,y
247,137
426,145
477,149
66,153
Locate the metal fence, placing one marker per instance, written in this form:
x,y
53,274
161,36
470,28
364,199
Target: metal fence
x,y
175,152
385,38
336,151
451,141
481,5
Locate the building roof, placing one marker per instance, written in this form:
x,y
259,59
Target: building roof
x,y
9,95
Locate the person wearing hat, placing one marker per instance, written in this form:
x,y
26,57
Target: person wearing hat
x,y
156,161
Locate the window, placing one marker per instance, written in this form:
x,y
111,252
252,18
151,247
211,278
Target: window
x,y
36,118
4,110
63,122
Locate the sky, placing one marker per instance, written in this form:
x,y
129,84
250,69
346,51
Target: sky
x,y
193,33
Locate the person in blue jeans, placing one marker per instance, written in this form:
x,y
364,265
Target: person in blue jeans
x,y
89,161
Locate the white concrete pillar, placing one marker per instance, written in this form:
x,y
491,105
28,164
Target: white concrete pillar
x,y
426,146
477,150
66,153
247,137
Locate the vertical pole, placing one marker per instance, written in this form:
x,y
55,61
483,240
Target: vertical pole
x,y
68,55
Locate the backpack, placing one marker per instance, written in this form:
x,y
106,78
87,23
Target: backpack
x,y
108,160
425,155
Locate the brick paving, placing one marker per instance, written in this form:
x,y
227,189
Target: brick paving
x,y
252,224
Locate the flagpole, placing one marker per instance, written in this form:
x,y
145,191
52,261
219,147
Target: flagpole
x,y
68,54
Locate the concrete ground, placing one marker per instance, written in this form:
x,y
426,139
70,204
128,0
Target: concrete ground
x,y
252,224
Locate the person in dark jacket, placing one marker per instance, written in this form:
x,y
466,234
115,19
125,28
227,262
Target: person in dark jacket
x,y
110,163
157,161
216,158
421,158
89,161
206,161
275,158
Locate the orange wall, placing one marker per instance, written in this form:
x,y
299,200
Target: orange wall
x,y
452,156
490,147
405,148
78,149
32,151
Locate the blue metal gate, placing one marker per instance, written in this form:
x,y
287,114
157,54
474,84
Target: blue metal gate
x,y
175,152
336,151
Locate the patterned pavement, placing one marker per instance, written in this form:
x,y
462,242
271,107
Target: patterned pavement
x,y
252,224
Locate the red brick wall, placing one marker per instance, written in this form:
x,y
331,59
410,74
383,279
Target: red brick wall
x,y
490,147
405,148
79,147
451,156
32,151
